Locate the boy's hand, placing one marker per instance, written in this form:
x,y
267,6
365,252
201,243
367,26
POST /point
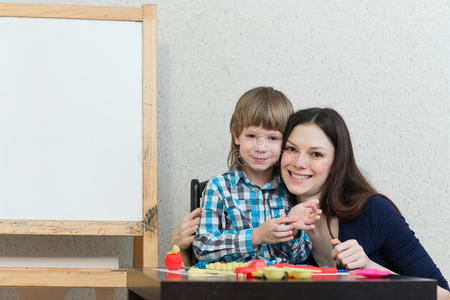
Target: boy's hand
x,y
305,214
274,231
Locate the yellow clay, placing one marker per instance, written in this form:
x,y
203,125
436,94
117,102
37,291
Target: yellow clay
x,y
197,271
175,249
258,273
273,273
301,273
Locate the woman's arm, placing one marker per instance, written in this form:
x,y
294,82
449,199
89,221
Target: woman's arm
x,y
390,237
442,294
401,248
184,234
352,256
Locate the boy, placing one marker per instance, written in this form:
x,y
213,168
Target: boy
x,y
244,210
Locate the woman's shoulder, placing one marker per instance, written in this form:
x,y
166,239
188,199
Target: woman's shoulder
x,y
375,220
380,208
379,202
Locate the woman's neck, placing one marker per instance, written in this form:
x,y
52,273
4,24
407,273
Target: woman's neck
x,y
321,237
328,224
302,199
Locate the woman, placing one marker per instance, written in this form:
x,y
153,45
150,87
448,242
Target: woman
x,y
365,228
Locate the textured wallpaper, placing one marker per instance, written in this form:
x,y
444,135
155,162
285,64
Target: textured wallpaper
x,y
385,66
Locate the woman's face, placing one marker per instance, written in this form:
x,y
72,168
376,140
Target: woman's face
x,y
306,161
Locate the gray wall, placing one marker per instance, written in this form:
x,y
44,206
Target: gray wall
x,y
385,66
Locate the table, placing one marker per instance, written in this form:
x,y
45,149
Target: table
x,y
150,284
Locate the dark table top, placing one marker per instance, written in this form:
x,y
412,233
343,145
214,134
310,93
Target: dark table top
x,y
151,284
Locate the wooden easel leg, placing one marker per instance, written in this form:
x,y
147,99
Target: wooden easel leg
x,y
42,293
138,256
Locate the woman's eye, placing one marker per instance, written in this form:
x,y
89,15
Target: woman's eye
x,y
289,149
317,154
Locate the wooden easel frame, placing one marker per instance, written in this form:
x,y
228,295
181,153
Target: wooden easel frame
x,y
143,239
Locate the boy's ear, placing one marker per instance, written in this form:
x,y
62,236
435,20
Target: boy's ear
x,y
235,138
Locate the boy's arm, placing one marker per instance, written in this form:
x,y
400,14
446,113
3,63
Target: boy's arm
x,y
305,214
298,249
212,241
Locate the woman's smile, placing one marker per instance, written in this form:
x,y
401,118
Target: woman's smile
x,y
300,177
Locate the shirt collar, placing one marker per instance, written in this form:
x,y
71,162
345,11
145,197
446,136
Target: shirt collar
x,y
239,174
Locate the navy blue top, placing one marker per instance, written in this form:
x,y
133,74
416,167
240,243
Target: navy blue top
x,y
387,240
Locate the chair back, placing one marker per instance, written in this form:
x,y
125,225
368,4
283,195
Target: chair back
x,y
196,192
197,188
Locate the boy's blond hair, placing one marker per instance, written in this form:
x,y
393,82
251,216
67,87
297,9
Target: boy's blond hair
x,y
261,106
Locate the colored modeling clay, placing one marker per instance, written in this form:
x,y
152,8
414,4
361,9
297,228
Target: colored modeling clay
x,y
370,273
197,271
274,273
200,265
301,273
226,266
173,259
258,273
175,249
259,263
259,269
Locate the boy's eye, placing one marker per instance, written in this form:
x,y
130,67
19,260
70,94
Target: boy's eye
x,y
274,138
251,135
317,154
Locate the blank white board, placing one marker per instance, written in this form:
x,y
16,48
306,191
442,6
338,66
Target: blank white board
x,y
70,119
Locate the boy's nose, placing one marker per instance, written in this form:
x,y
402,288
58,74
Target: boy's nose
x,y
262,143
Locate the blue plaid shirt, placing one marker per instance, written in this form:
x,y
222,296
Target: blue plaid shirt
x,y
232,207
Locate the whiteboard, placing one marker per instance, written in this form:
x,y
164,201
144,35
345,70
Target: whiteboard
x,y
70,119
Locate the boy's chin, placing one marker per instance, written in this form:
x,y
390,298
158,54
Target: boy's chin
x,y
261,167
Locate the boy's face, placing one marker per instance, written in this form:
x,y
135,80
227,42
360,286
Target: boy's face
x,y
260,148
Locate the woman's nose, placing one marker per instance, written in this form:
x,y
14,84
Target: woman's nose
x,y
301,160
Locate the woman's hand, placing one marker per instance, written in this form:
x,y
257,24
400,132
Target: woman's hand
x,y
350,254
274,231
183,236
306,214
